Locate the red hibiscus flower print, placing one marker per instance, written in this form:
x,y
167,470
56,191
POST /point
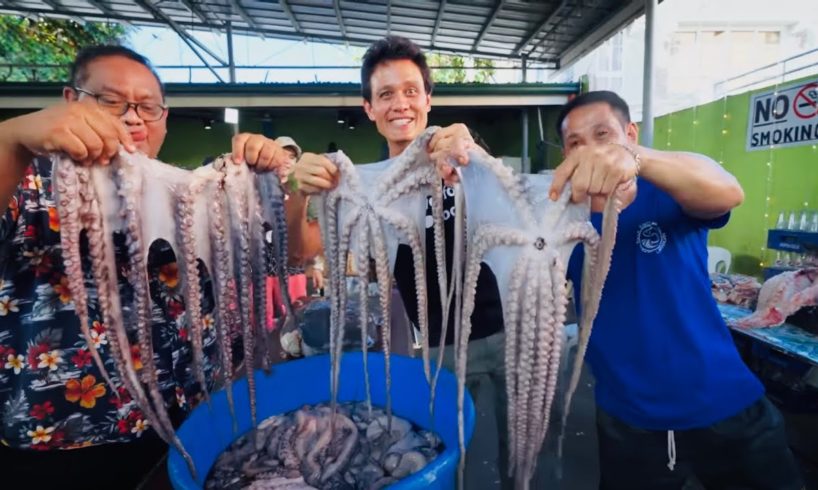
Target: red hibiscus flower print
x,y
41,411
82,358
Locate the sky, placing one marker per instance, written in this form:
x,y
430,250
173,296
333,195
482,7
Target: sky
x,y
163,47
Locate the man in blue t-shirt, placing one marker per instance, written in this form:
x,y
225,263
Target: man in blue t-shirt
x,y
674,398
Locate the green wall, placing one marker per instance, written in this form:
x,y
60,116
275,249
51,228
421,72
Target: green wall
x,y
188,143
789,182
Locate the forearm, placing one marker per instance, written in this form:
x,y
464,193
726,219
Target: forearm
x,y
701,186
303,237
13,161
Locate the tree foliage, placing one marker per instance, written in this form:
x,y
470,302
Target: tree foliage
x,y
50,42
459,69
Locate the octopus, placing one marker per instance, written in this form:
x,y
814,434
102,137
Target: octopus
x,y
221,218
527,240
320,447
373,209
511,225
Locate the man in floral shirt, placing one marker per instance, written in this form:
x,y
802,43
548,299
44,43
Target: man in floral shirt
x,y
52,396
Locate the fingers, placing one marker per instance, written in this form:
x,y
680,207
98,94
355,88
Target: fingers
x,y
67,142
581,182
248,147
266,159
612,181
238,147
315,173
313,183
90,140
562,174
110,132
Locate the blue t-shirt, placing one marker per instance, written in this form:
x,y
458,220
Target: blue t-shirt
x,y
661,354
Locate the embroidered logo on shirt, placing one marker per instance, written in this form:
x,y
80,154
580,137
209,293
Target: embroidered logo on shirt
x,y
650,237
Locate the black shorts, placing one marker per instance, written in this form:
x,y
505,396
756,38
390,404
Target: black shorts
x,y
746,451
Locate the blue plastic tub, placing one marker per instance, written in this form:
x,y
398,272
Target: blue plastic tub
x,y
208,431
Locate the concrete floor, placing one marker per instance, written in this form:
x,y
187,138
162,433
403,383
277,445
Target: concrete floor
x,y
579,462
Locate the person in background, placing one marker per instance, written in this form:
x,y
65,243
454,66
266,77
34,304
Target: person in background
x,y
61,426
674,399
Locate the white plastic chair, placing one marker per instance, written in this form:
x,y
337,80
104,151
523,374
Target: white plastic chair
x,y
718,260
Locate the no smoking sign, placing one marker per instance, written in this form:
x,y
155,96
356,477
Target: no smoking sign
x,y
805,103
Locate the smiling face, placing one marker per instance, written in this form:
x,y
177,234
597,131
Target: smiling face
x,y
133,81
400,104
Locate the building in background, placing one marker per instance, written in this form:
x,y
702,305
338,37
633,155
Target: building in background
x,y
706,49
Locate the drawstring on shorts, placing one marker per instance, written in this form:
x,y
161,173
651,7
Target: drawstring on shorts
x,y
671,450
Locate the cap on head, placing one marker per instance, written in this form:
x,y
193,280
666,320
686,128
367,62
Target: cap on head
x,y
287,142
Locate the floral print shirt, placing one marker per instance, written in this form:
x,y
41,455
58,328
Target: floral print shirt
x,y
52,396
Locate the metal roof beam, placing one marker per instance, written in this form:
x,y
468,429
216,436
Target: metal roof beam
x,y
289,13
158,14
551,17
388,17
101,7
243,14
195,10
337,5
437,21
602,32
488,24
57,6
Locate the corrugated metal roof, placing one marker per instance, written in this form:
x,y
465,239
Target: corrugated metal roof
x,y
542,31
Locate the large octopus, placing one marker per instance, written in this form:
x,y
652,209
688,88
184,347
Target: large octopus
x,y
526,240
373,209
218,217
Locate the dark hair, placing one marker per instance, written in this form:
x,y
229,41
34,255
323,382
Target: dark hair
x,y
79,72
393,48
616,103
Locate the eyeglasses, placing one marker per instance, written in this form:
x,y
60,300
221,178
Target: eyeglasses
x,y
118,106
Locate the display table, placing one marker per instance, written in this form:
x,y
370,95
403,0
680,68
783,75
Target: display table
x,y
788,339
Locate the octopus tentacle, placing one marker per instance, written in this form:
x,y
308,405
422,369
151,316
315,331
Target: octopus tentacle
x,y
385,294
446,291
547,327
261,268
69,214
511,314
525,360
337,329
138,277
595,279
225,295
102,265
485,238
362,258
190,268
405,227
239,214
